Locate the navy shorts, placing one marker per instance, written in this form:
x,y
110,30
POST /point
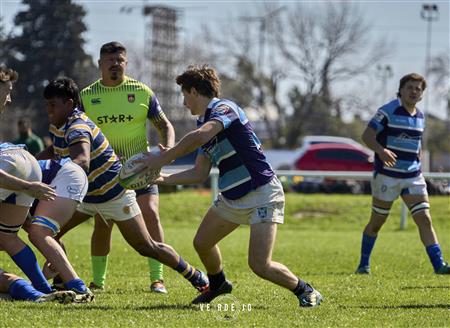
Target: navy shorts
x,y
152,190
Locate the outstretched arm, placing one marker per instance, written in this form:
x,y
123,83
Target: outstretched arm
x,y
197,174
187,144
34,189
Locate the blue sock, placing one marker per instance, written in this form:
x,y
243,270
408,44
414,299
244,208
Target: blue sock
x,y
23,291
77,285
366,249
27,262
435,255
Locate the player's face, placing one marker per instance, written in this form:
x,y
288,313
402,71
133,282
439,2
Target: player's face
x,y
411,92
190,100
113,65
58,110
5,94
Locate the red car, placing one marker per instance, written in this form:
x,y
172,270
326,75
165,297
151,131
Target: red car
x,y
333,157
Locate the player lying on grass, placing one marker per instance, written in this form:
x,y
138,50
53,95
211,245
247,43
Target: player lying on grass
x,y
395,135
74,135
250,193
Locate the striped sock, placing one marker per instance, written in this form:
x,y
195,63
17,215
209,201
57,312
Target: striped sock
x,y
187,271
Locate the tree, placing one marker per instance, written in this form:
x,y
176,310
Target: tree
x,y
49,45
324,48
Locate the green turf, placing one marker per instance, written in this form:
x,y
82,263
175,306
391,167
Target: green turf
x,y
320,242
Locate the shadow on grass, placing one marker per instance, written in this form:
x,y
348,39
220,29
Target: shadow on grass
x,y
425,287
407,306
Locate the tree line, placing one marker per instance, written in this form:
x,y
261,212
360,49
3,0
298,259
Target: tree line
x,y
286,63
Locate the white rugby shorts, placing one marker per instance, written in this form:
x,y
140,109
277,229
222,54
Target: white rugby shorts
x,y
264,204
22,165
388,188
121,208
70,182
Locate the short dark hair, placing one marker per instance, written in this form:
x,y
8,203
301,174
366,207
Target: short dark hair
x,y
203,78
64,88
24,120
112,47
8,74
412,77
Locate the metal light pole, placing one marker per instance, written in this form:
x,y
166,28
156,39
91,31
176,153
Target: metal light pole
x,y
430,13
384,72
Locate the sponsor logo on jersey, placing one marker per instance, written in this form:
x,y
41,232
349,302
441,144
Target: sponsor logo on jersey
x,y
114,119
131,97
96,101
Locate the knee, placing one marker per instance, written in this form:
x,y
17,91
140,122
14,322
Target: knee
x,y
148,249
200,245
259,267
37,233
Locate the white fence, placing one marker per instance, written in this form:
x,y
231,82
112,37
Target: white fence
x,y
332,174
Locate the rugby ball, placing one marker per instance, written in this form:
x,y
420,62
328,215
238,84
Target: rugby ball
x,y
134,175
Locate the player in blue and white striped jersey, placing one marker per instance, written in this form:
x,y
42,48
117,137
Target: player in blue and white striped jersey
x,y
395,135
250,193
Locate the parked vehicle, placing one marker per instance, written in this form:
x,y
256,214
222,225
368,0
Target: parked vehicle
x,y
333,157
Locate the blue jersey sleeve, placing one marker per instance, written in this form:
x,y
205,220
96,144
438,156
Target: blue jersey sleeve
x,y
155,112
379,121
224,114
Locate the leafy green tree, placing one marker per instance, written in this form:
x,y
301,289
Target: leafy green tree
x,y
49,45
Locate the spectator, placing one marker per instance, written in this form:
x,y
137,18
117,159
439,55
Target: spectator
x,y
26,136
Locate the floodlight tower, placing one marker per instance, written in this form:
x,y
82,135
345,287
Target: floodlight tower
x,y
160,50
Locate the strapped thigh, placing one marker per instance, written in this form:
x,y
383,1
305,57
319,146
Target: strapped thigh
x,y
418,207
9,228
380,210
48,223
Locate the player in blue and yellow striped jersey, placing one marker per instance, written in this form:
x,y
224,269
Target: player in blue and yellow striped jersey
x,y
395,135
76,136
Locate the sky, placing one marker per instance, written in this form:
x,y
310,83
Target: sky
x,y
396,21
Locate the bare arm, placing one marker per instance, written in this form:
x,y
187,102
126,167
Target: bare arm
x,y
35,189
187,144
198,174
80,153
370,139
47,153
165,130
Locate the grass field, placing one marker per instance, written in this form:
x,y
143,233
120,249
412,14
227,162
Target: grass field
x,y
320,241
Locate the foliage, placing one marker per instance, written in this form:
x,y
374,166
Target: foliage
x,y
50,44
320,241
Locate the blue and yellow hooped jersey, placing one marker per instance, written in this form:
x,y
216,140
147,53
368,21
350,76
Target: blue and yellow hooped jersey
x,y
104,167
400,132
